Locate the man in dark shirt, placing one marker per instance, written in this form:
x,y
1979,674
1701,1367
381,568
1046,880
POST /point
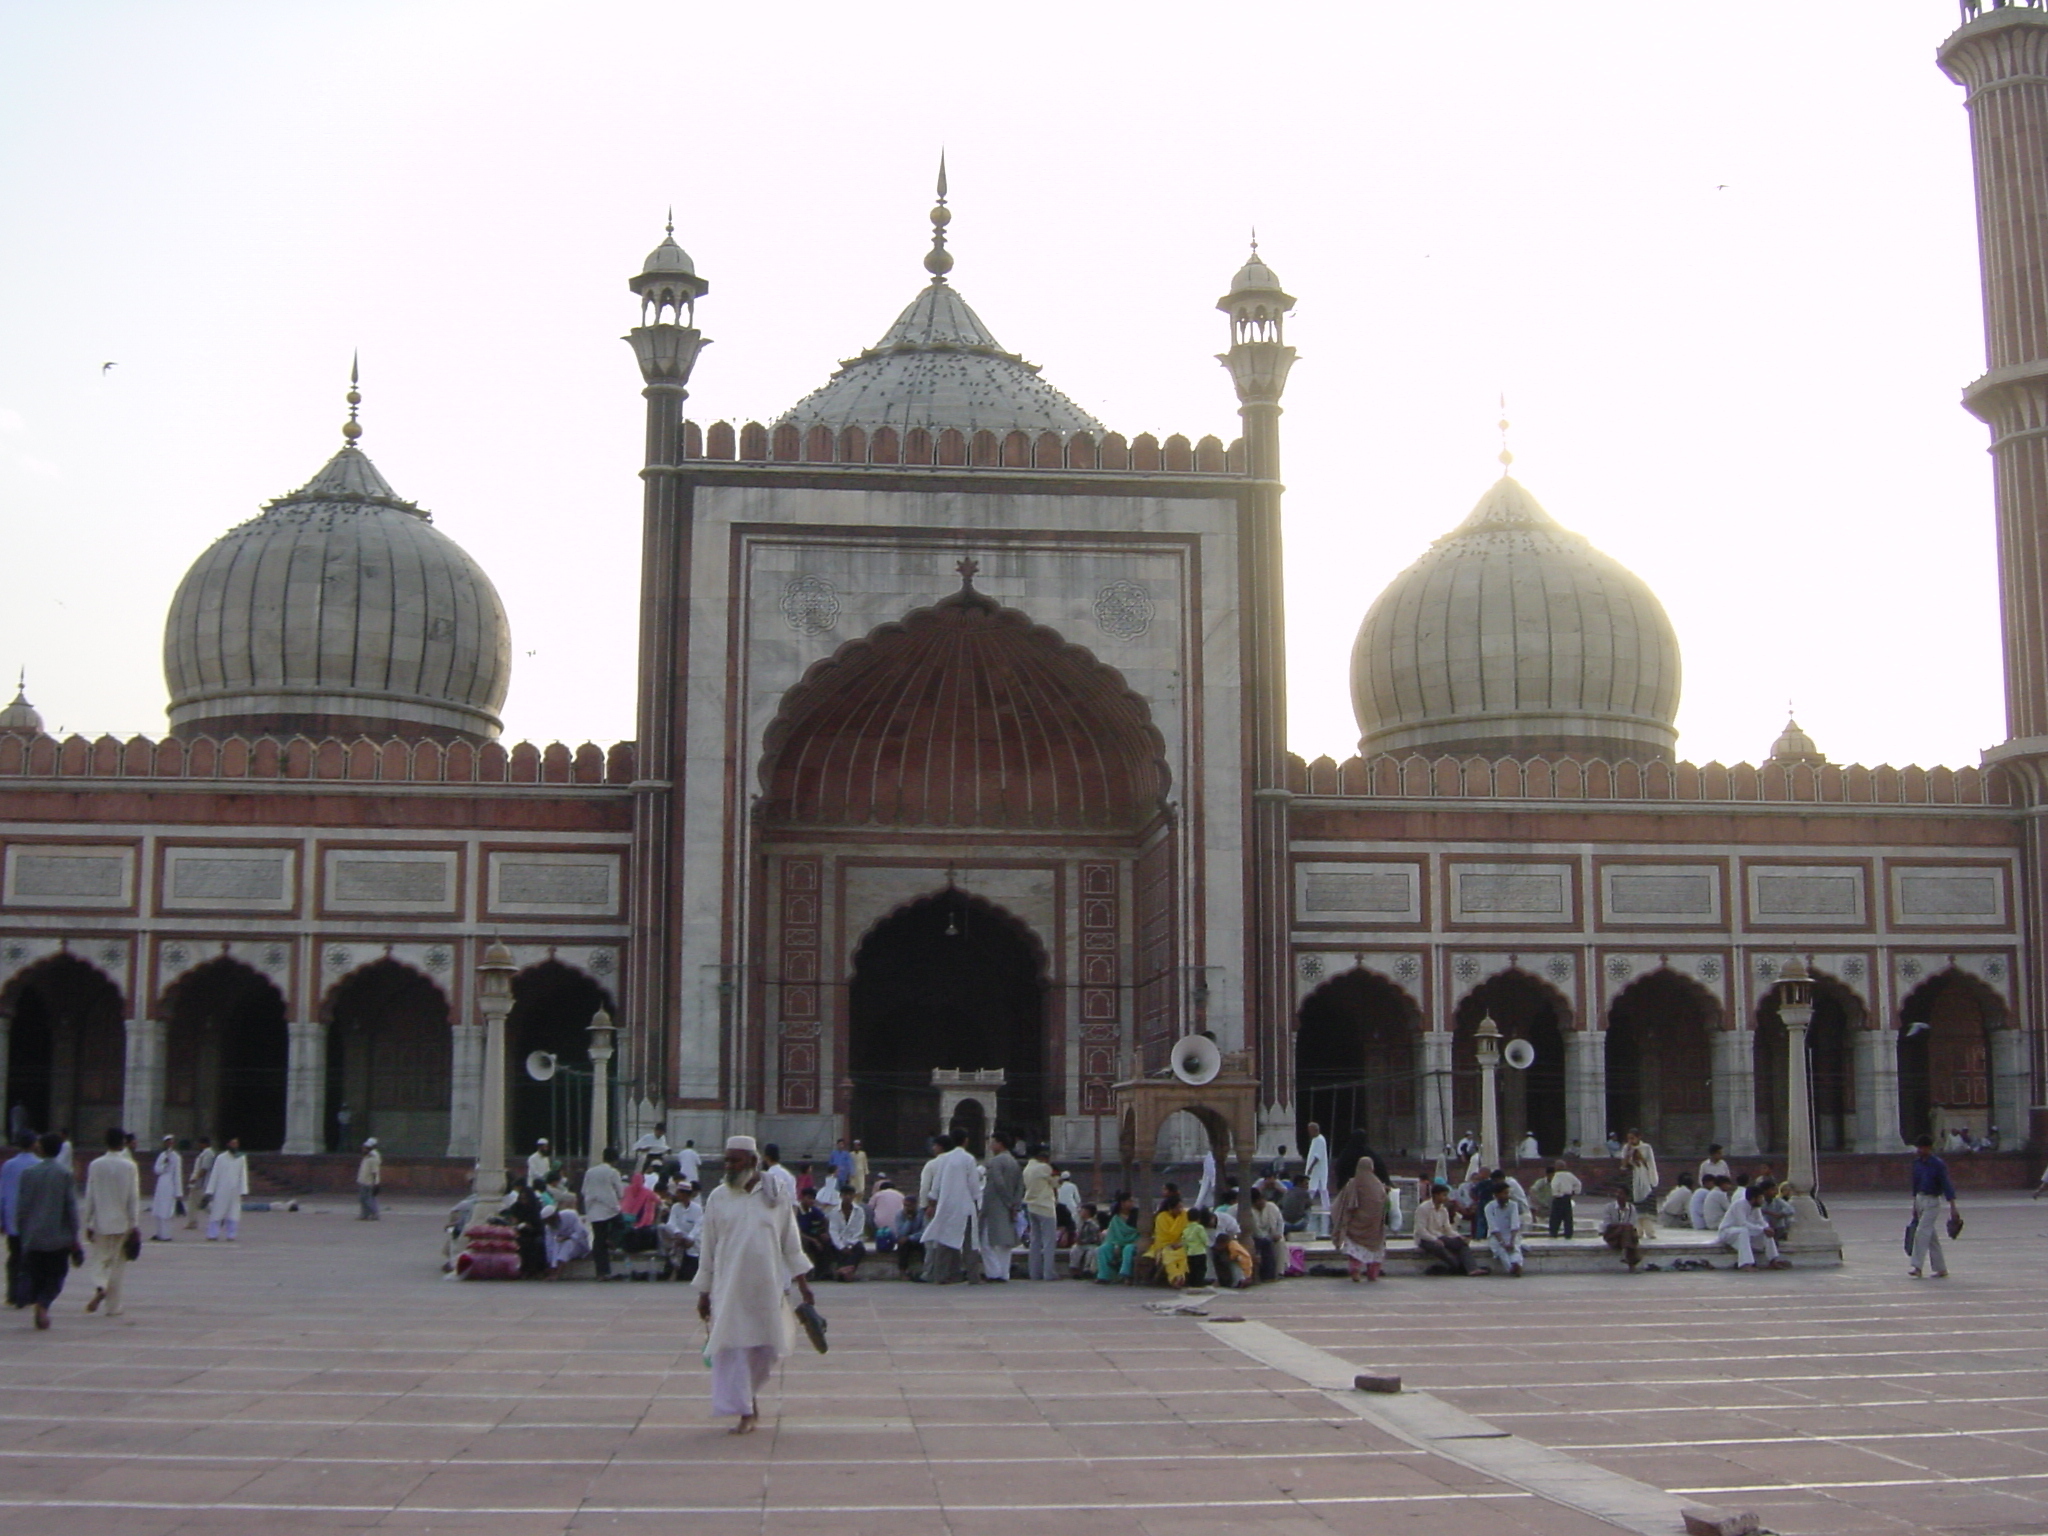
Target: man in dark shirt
x,y
47,1211
1931,1186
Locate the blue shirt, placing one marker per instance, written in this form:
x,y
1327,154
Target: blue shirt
x,y
10,1190
1930,1177
842,1164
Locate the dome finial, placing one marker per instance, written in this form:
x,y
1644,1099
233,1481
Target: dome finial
x,y
1506,458
938,260
670,227
353,429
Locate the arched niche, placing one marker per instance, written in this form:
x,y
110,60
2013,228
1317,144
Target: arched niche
x,y
1357,1062
226,1054
552,1006
1838,1012
948,981
1523,1006
1660,1060
1945,1055
390,1060
67,1048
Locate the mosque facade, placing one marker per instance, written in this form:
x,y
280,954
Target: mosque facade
x,y
960,780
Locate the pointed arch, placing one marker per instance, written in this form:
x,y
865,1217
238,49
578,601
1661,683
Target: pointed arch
x,y
1660,1061
1838,1015
1357,1054
1945,1053
226,1050
552,1006
1523,1006
390,1060
67,1046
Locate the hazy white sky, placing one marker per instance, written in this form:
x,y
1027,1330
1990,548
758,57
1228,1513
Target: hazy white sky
x,y
1720,258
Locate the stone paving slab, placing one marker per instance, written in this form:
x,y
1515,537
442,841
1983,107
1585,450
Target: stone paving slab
x,y
321,1375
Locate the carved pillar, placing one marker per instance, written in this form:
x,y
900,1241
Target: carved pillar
x,y
305,1100
1585,1089
2011,1085
1735,1092
1876,1063
1434,1052
465,1090
142,1086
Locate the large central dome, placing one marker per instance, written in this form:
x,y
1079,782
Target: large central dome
x,y
1513,634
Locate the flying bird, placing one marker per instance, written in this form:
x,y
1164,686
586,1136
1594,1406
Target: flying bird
x,y
103,369
1919,1028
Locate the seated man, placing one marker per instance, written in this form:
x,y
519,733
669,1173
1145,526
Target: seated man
x,y
1676,1208
1437,1235
1696,1204
1715,1204
1087,1238
846,1229
815,1231
910,1240
565,1238
1618,1229
1504,1223
679,1235
1746,1229
1294,1205
885,1209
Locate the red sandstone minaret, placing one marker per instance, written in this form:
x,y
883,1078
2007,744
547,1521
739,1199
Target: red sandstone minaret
x,y
2000,57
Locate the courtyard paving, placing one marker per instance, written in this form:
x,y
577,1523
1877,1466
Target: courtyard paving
x,y
321,1374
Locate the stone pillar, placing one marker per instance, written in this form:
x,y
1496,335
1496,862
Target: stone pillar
x,y
2011,1085
305,1101
1434,1050
142,1084
494,997
1876,1064
1585,1090
465,1089
1735,1092
6,1062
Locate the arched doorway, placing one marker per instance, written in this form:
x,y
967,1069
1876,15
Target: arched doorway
x,y
67,1051
1830,1068
389,1060
1945,1056
226,1050
946,982
552,1006
1660,1061
1355,1067
1522,1008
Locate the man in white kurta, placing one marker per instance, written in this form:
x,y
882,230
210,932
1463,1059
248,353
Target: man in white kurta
x,y
111,1209
1315,1171
949,1213
1205,1195
195,1192
225,1187
170,1183
1744,1228
748,1254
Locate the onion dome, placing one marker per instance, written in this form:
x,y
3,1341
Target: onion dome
x,y
21,715
340,610
1795,746
668,284
938,367
1514,635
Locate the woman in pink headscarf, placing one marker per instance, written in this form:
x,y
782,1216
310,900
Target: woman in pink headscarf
x,y
639,1204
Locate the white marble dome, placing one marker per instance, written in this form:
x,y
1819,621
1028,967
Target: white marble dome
x,y
340,610
1514,635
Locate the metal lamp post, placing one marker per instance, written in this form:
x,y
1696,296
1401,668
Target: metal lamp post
x,y
602,1033
1812,1233
1486,1042
494,994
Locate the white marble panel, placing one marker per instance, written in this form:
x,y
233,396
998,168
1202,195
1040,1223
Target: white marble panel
x,y
1660,893
559,884
390,880
1384,893
1817,895
87,878
237,879
1540,893
1963,896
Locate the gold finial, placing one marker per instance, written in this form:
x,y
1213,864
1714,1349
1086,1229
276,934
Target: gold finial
x,y
938,260
671,227
1506,458
353,429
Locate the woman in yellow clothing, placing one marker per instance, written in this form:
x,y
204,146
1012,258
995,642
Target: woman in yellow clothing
x,y
1167,1228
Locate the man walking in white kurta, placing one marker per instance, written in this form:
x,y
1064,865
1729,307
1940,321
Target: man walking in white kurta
x,y
949,1213
111,1209
170,1183
1315,1171
748,1253
225,1187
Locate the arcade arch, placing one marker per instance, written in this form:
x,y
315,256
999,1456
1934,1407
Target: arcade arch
x,y
1830,1068
226,1049
1357,1062
390,1061
1945,1055
552,1006
67,1049
1523,1007
1660,1061
949,981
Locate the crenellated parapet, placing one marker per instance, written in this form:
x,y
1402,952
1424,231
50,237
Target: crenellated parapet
x,y
1389,777
918,448
358,761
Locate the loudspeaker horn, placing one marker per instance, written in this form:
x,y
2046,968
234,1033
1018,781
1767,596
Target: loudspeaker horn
x,y
1520,1055
540,1065
1196,1060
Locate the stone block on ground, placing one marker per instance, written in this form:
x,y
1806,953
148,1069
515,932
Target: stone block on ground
x,y
1721,1522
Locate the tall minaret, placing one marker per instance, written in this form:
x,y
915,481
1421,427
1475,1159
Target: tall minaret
x,y
1259,360
2000,57
665,343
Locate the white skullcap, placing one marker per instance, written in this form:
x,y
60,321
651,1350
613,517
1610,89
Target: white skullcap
x,y
742,1144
